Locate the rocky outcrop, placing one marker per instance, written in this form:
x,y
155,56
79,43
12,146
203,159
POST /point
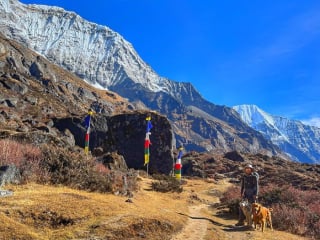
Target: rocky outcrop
x,y
125,134
33,90
113,161
9,174
234,156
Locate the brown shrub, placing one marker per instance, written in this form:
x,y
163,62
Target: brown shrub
x,y
289,219
25,157
231,199
294,210
74,169
166,184
70,167
100,168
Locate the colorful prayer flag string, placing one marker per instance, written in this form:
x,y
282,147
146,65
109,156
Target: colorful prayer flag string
x,y
87,121
147,141
178,165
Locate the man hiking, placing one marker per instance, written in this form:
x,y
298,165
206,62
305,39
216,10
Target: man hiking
x,y
249,189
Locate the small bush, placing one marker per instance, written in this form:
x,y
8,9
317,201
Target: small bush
x,y
166,184
73,168
25,157
100,168
69,167
231,199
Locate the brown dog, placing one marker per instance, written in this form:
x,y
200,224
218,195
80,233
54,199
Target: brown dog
x,y
261,215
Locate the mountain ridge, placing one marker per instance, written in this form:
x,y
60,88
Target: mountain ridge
x,y
299,140
103,58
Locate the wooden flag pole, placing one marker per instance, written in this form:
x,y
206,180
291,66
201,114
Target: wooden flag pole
x,y
147,169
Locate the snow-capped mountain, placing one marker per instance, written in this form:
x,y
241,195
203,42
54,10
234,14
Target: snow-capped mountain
x,y
94,52
300,141
106,60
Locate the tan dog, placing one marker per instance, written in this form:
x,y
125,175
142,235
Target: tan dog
x,y
261,215
245,207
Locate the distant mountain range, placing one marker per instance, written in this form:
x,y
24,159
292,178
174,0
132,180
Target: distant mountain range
x,y
106,60
300,141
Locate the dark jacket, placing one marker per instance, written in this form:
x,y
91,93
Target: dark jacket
x,y
249,186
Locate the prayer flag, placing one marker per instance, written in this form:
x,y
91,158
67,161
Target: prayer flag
x,y
147,141
87,121
178,165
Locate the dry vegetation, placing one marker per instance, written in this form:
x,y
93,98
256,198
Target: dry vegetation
x,y
56,212
294,210
56,166
59,199
46,212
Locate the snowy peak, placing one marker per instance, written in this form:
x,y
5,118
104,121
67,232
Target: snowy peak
x,y
301,142
94,52
252,115
261,121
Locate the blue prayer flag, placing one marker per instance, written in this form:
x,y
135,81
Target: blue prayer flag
x,y
87,121
149,126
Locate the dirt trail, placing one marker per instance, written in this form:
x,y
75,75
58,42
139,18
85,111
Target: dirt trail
x,y
209,223
196,227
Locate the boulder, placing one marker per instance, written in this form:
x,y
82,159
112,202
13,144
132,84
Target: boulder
x,y
36,70
16,86
125,134
84,94
9,174
234,156
113,161
10,102
69,138
32,100
3,50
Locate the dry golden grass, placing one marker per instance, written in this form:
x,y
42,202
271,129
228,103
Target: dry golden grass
x,y
47,212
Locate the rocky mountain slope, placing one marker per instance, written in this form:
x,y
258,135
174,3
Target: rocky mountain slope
x,y
104,59
41,103
273,170
300,141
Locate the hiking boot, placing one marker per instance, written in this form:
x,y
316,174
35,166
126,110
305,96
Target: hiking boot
x,y
240,223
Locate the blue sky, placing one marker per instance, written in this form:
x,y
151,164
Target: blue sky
x,y
234,52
